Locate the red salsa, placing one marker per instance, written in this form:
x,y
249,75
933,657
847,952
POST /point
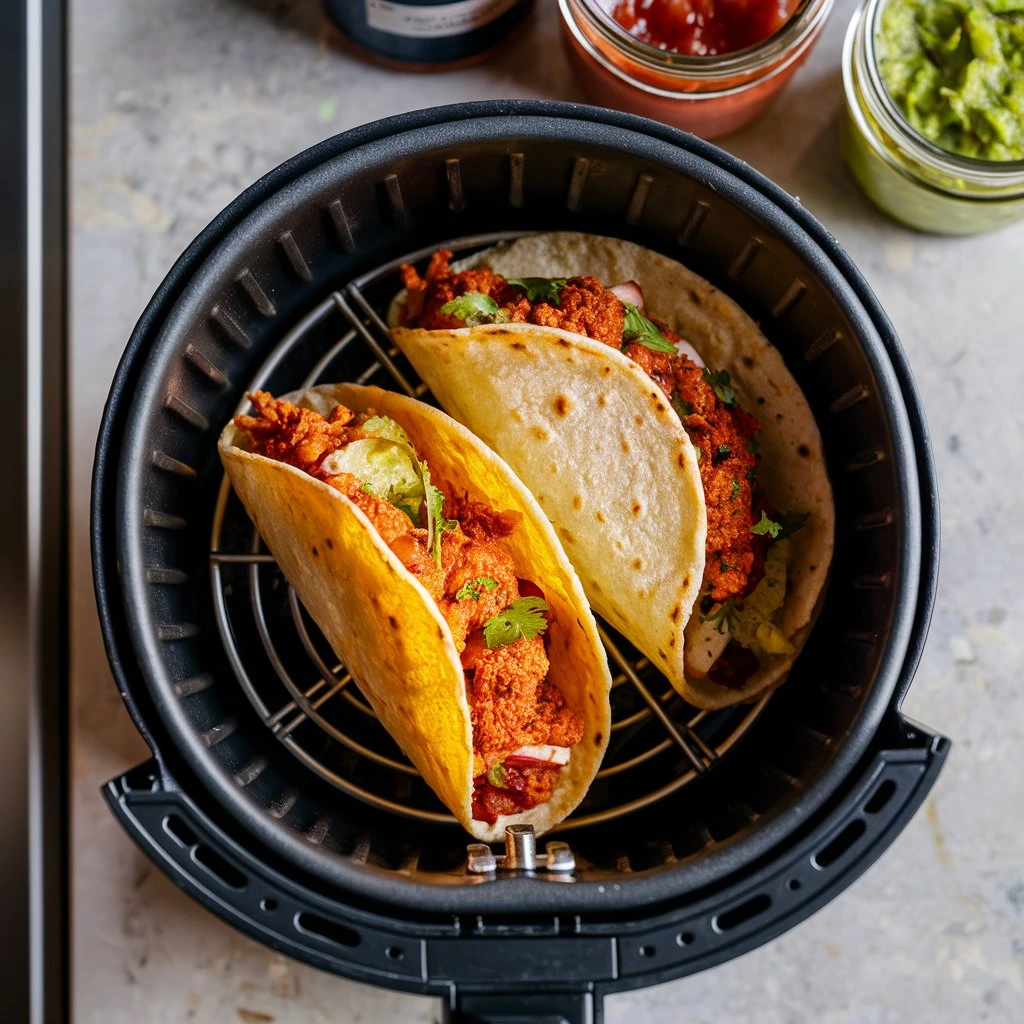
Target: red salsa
x,y
703,28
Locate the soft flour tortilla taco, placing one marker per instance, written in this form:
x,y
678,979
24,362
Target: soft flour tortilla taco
x,y
575,356
437,580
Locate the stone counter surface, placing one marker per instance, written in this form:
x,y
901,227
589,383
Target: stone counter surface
x,y
180,104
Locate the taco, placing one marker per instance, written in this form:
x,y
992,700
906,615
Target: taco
x,y
579,359
442,588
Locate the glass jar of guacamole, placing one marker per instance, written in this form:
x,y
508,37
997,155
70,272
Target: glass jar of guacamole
x,y
903,171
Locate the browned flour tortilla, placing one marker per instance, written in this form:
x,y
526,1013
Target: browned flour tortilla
x,y
508,382
386,628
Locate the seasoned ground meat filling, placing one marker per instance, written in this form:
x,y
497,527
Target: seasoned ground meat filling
x,y
724,434
512,702
585,306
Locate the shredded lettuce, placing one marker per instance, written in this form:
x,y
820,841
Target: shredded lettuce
x,y
751,623
386,468
383,426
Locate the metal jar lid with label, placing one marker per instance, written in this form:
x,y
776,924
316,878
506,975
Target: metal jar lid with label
x,y
419,33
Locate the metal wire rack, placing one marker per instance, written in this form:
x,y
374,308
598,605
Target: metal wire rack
x,y
309,701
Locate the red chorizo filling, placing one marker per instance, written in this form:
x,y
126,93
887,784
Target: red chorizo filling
x,y
522,726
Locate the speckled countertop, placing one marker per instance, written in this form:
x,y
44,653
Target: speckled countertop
x,y
178,105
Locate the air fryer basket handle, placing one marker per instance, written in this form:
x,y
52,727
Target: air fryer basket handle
x,y
493,981
523,1008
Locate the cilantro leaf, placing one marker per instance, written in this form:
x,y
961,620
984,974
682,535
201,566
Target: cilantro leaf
x,y
368,487
683,409
521,620
719,381
540,289
766,526
475,308
790,522
724,618
700,451
641,330
474,588
735,489
436,522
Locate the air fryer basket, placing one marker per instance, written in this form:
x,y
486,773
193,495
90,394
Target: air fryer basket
x,y
273,795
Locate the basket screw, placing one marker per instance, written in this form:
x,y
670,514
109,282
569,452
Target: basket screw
x,y
520,847
480,859
560,857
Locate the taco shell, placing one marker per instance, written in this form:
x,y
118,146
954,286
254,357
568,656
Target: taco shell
x,y
385,627
504,381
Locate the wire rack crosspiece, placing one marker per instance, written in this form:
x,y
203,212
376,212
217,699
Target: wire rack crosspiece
x,y
658,742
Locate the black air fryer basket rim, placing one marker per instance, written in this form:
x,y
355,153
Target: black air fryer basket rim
x,y
769,203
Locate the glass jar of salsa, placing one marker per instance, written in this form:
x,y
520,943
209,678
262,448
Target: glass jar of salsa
x,y
730,58
906,175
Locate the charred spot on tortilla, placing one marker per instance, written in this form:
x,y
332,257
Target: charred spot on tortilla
x,y
597,739
577,501
639,421
329,542
540,433
562,343
760,399
748,361
625,446
561,404
686,581
636,509
671,641
518,346
695,297
316,551
602,400
637,563
599,516
393,622
681,459
606,370
567,535
803,451
674,614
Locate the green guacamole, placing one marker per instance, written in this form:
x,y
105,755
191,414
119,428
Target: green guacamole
x,y
956,70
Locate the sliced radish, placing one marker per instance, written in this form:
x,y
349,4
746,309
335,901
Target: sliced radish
x,y
684,348
553,755
629,291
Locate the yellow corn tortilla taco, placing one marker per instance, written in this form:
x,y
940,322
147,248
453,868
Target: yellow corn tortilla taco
x,y
437,580
579,315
